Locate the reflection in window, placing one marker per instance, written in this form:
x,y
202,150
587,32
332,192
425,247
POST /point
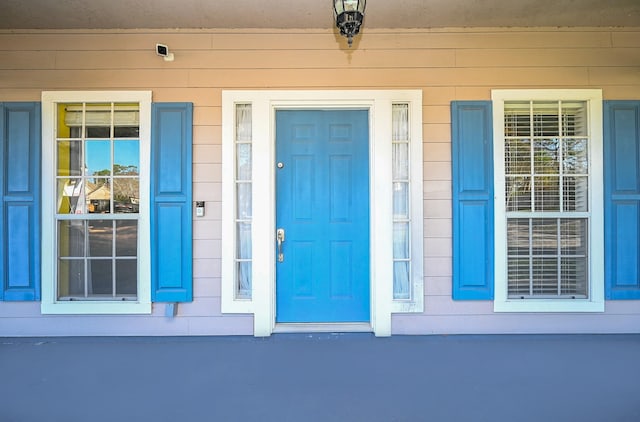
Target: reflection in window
x,y
97,191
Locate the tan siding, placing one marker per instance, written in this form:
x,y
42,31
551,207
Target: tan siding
x,y
615,75
255,59
447,64
438,227
625,39
560,57
437,151
102,40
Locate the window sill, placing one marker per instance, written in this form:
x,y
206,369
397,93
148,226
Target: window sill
x,y
96,308
548,305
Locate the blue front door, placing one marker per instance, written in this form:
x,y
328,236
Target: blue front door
x,y
322,209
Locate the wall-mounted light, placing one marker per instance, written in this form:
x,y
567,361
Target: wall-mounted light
x,y
163,51
349,15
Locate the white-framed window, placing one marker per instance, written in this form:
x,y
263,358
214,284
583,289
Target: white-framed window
x,y
396,222
548,193
95,213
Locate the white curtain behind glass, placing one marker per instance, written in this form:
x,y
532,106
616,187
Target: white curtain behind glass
x,y
401,214
243,200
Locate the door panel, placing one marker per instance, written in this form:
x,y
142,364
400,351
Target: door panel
x,y
322,195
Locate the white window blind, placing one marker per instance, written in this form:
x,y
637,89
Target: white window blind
x,y
546,198
101,115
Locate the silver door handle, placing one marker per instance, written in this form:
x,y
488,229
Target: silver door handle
x,y
280,241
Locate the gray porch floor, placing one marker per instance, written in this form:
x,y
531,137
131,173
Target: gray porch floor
x,y
322,377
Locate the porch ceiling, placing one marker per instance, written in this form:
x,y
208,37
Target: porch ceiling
x,y
130,14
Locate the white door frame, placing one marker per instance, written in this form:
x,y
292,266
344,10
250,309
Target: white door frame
x,y
264,104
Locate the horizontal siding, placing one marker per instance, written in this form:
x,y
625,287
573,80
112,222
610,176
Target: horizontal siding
x,y
447,64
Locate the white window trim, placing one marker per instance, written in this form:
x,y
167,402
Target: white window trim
x,y
595,300
264,105
50,304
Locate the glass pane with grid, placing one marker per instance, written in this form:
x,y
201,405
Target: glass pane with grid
x,y
401,202
547,257
244,206
546,177
97,190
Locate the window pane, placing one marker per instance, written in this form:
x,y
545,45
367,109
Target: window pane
x,y
517,156
244,241
70,196
547,156
517,120
244,200
400,122
401,200
71,238
574,118
545,119
98,158
545,276
126,194
547,193
126,158
243,270
575,159
71,278
573,234
126,277
126,132
544,233
98,114
98,132
67,118
100,277
518,193
575,191
69,158
243,122
400,240
243,162
401,287
400,161
518,236
519,276
126,238
573,279
100,238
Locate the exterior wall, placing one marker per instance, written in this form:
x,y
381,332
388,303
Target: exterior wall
x,y
453,64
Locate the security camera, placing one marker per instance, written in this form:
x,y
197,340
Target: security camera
x,y
163,51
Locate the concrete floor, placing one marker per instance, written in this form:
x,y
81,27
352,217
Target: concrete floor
x,y
322,377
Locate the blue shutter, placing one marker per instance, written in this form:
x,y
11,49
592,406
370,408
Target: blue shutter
x,y
622,199
171,223
473,226
20,213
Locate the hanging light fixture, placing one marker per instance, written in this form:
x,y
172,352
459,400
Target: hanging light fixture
x,y
349,15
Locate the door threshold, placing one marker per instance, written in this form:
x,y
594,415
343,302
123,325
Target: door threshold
x,y
333,327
